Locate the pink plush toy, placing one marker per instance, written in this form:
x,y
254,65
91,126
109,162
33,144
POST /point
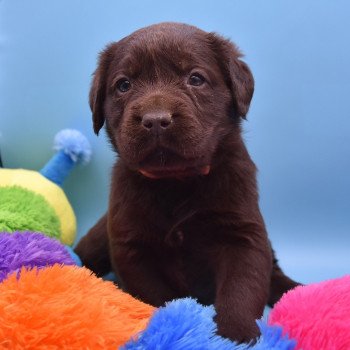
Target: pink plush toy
x,y
317,316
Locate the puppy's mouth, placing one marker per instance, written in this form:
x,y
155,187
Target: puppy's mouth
x,y
164,163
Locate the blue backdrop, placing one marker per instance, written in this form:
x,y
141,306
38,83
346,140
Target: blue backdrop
x,y
297,130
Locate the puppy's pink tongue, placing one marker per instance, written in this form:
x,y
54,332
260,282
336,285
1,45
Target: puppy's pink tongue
x,y
148,174
205,170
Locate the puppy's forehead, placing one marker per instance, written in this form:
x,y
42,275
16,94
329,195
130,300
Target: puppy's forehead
x,y
171,46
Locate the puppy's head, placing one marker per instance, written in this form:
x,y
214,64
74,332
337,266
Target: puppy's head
x,y
169,95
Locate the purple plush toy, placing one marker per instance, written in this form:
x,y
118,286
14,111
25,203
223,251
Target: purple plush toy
x,y
30,249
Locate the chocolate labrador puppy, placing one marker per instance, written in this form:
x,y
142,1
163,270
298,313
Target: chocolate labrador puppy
x,y
183,216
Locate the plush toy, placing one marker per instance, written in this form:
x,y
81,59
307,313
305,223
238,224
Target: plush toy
x,y
34,201
68,307
317,316
313,317
30,249
45,301
47,304
184,324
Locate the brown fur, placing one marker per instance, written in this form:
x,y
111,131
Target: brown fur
x,y
183,216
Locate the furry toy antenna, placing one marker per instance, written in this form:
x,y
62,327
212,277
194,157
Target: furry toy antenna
x,y
72,148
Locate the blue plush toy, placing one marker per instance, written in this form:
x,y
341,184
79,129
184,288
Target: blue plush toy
x,y
184,324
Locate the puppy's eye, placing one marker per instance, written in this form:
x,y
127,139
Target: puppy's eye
x,y
196,79
123,85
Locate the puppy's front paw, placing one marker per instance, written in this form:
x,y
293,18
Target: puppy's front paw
x,y
241,331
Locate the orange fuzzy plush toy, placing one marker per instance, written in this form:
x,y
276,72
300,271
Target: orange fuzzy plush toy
x,y
67,307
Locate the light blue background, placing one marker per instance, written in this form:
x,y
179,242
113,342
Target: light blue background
x,y
298,128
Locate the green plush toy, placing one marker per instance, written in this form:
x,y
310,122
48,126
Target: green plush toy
x,y
34,201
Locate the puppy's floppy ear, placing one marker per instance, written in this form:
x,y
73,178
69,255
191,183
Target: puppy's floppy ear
x,y
237,74
99,87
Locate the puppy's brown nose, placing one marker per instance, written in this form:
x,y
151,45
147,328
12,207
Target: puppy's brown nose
x,y
156,122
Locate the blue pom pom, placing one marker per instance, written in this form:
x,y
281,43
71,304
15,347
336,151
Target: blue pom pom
x,y
74,144
72,147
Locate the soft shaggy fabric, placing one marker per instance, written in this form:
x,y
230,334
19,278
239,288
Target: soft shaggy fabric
x,y
65,307
182,325
317,315
30,249
73,143
24,210
271,338
58,168
54,195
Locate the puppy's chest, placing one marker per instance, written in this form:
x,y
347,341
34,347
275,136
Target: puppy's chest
x,y
181,234
187,263
184,244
